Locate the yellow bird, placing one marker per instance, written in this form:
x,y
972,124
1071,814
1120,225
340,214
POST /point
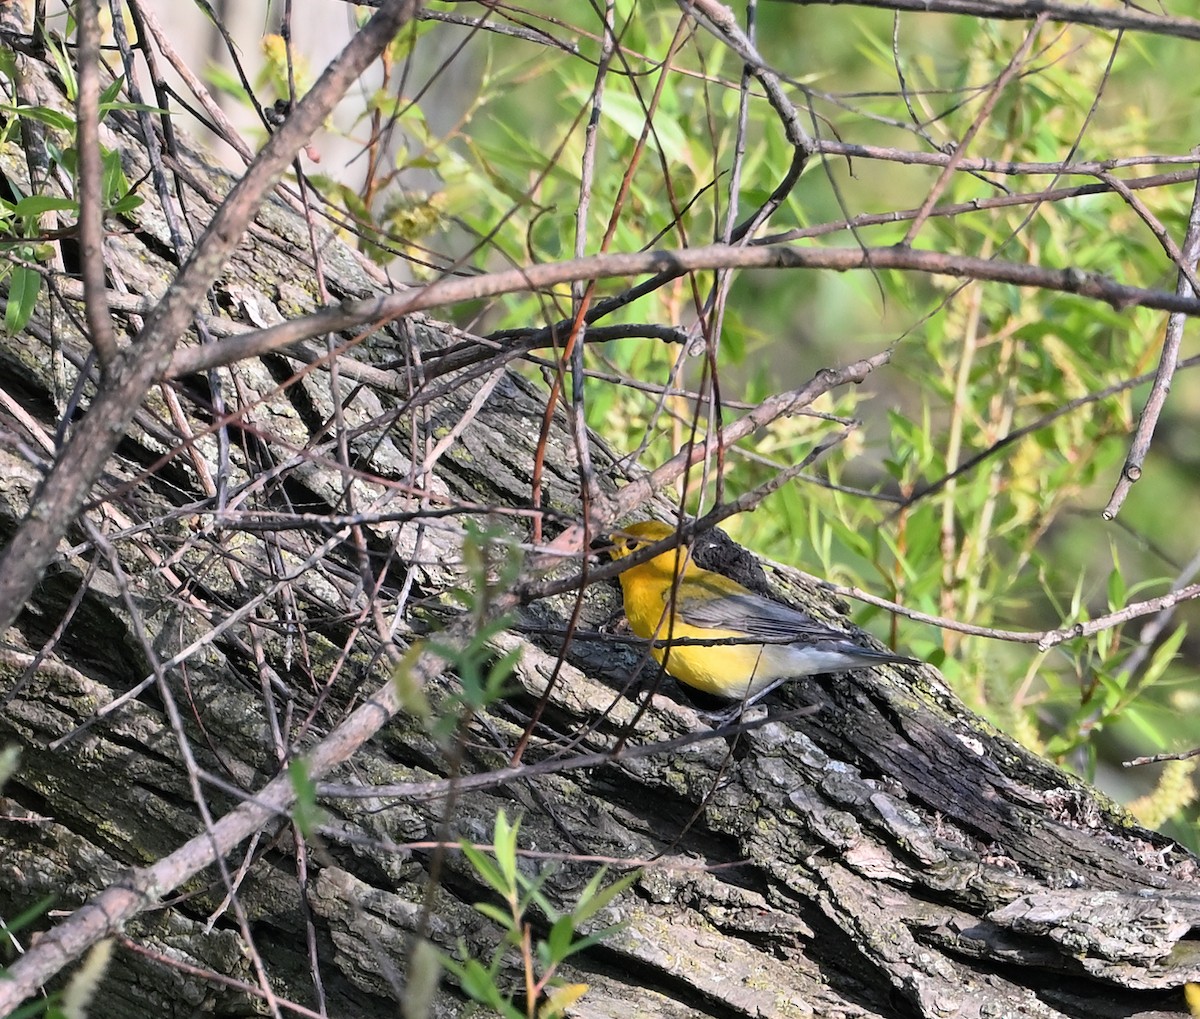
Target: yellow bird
x,y
670,598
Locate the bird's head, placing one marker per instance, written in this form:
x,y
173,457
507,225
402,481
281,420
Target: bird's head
x,y
636,537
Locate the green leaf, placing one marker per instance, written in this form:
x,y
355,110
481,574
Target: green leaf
x,y
112,90
505,847
558,941
158,111
486,870
1163,656
478,982
501,672
591,901
126,205
113,184
494,912
52,118
23,288
47,1007
1117,594
224,80
305,812
35,205
595,938
66,70
1145,725
533,893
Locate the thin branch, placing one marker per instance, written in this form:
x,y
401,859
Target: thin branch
x,y
1126,16
719,19
61,496
89,192
385,308
960,150
1139,447
1008,168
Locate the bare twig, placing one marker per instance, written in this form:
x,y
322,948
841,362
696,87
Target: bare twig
x,y
352,314
90,196
1178,755
62,494
960,150
1139,447
1126,16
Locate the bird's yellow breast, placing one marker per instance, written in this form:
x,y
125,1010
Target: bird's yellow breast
x,y
727,670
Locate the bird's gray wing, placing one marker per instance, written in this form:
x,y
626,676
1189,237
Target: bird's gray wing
x,y
772,622
756,616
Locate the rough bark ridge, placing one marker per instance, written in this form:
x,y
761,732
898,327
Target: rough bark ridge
x,y
885,854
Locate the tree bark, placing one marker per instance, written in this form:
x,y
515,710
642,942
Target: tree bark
x,y
879,852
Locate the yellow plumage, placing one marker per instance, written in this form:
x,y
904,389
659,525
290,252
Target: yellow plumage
x,y
670,598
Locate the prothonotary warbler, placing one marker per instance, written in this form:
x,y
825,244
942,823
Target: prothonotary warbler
x,y
705,606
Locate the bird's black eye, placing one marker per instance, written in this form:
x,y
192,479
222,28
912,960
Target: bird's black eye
x,y
632,545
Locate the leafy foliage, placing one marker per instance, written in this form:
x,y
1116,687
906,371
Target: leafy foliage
x,y
521,897
23,218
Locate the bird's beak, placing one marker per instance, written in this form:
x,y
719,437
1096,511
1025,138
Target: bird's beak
x,y
601,548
